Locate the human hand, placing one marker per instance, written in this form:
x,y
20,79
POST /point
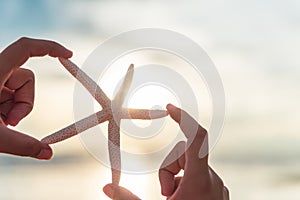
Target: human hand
x,y
17,94
116,192
199,180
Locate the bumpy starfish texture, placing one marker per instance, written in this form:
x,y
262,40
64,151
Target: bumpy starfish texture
x,y
112,111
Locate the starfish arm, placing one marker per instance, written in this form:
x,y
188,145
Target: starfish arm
x,y
144,114
87,82
76,128
114,150
123,90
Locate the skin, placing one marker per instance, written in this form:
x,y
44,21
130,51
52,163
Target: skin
x,y
199,180
16,102
17,94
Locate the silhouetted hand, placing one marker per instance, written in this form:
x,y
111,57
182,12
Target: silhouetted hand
x,y
119,193
199,180
17,94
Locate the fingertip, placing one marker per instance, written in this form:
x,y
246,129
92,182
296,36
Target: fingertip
x,y
166,182
174,112
118,192
166,192
16,143
108,190
58,50
20,111
46,152
64,53
12,122
172,109
11,119
68,53
170,106
14,117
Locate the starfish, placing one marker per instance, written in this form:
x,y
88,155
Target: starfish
x,y
112,111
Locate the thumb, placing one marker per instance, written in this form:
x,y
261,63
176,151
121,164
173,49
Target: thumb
x,y
13,142
118,193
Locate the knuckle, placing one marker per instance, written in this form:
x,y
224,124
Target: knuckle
x,y
225,190
220,182
28,73
201,133
28,106
225,193
24,76
23,41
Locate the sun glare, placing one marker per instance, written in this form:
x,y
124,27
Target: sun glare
x,y
150,97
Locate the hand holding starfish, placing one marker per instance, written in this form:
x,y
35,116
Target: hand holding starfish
x,y
17,94
199,181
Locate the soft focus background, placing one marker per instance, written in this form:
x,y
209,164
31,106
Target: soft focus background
x,y
255,46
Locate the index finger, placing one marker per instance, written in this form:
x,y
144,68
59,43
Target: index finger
x,y
197,139
20,51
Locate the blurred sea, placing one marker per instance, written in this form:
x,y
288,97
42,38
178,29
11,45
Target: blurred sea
x,y
255,46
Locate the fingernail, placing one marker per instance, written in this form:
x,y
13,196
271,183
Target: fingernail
x,y
45,154
69,53
170,107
